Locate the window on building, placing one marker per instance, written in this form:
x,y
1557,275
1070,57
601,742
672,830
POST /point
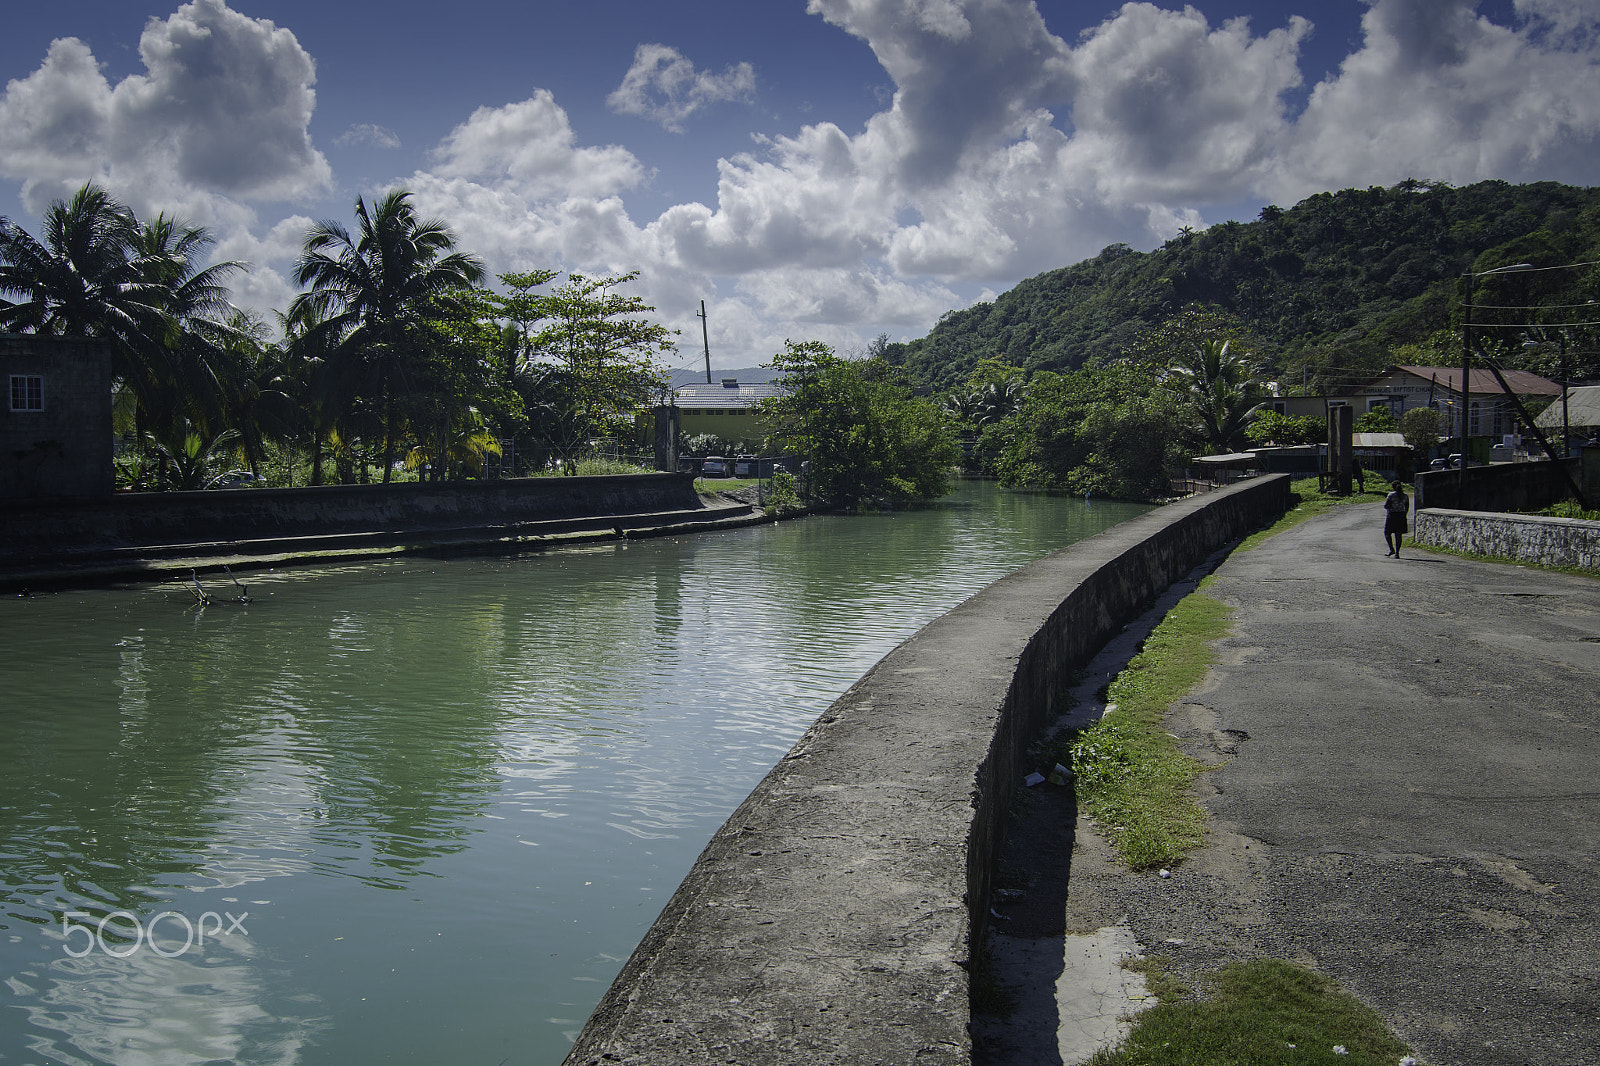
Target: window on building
x,y
27,392
1280,406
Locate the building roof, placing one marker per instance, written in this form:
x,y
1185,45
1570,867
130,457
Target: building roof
x,y
1522,382
727,394
1378,440
1583,409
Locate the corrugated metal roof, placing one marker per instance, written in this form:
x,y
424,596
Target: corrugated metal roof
x,y
1522,382
737,396
1377,440
1583,409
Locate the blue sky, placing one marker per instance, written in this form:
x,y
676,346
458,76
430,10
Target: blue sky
x,y
812,169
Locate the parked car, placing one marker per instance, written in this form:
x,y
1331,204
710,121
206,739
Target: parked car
x,y
714,467
233,479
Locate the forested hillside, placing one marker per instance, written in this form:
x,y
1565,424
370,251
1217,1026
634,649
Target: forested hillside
x,y
1325,289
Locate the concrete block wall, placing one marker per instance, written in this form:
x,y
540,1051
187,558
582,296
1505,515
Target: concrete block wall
x,y
144,519
1530,538
1503,487
831,917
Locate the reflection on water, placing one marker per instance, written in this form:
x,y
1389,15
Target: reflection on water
x,y
442,798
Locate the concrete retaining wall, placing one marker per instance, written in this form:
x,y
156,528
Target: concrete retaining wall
x,y
1503,487
1530,538
30,529
830,919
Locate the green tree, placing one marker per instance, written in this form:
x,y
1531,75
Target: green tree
x,y
79,280
593,363
1421,426
1270,427
1218,389
1377,420
372,292
862,431
1108,431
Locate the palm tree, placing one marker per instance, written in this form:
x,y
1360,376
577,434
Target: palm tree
x,y
370,292
98,273
1219,388
79,280
190,368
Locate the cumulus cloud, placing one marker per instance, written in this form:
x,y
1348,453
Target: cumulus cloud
x,y
220,114
1437,91
663,86
367,135
529,147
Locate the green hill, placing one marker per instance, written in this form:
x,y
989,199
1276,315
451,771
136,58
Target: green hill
x,y
1326,288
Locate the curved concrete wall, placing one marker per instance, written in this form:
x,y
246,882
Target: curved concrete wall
x,y
138,519
830,918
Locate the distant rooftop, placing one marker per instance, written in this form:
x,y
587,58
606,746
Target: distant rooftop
x,y
727,393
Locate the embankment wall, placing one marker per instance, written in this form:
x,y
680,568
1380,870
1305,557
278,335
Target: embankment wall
x,y
831,918
42,528
1529,538
1502,487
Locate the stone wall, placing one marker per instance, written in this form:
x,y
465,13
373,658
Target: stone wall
x,y
35,528
831,918
1529,538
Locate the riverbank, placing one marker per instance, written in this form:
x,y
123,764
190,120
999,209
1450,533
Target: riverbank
x,y
834,916
176,534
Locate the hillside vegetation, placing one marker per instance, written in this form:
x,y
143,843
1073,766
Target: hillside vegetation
x,y
1327,290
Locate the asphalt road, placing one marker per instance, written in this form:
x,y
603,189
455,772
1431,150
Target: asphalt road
x,y
1406,794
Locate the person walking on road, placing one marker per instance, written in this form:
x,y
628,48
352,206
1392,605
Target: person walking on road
x,y
1395,508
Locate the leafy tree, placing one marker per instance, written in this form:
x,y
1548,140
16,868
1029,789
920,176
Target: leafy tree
x,y
372,292
1107,431
1377,420
79,280
1421,427
605,347
863,432
1270,427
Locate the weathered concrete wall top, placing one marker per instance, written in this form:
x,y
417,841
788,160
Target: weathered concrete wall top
x,y
139,519
830,918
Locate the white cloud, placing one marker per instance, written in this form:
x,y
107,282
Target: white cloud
x,y
367,135
1438,92
663,86
529,147
1169,108
217,121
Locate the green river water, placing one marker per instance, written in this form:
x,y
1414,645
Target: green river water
x,y
421,811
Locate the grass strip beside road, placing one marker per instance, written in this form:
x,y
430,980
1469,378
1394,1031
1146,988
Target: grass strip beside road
x,y
1131,777
1265,1012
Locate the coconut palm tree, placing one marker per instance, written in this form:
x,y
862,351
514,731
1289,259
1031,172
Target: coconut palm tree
x,y
188,366
370,292
79,280
1219,388
98,273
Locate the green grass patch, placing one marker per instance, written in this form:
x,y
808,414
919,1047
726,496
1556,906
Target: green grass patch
x,y
707,485
1131,777
1307,501
1265,1012
1575,571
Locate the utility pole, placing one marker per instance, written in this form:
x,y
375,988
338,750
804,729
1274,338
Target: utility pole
x,y
705,338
